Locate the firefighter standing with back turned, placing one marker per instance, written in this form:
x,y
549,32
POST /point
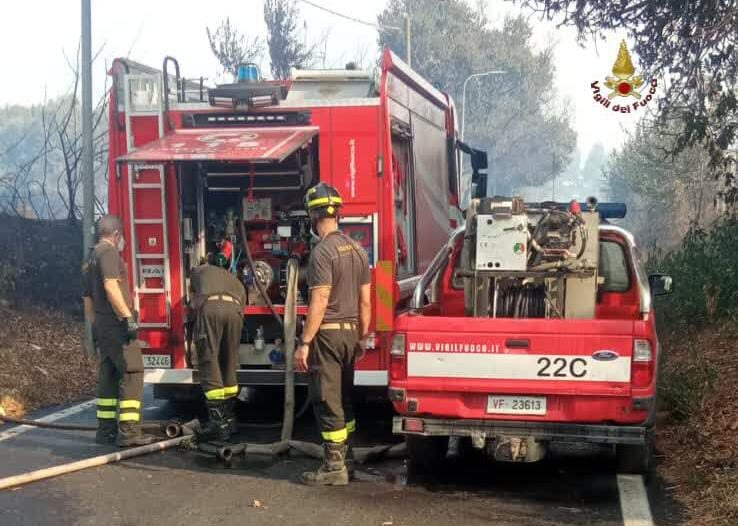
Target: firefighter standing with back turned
x,y
217,305
107,301
338,318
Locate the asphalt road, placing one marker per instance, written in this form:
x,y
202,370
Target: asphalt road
x,y
571,487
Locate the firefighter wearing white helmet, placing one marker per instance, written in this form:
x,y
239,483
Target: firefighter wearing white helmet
x,y
338,318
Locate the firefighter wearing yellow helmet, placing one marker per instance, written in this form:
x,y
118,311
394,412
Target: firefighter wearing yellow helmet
x,y
338,318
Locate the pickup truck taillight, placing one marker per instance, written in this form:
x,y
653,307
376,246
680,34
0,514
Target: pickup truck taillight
x,y
643,363
398,364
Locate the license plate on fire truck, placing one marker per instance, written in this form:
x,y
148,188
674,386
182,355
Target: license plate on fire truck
x,y
516,405
157,361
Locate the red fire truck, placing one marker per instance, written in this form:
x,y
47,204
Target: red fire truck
x,y
533,325
195,168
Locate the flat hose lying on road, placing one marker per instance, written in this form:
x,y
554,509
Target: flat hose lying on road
x,y
41,474
170,429
46,473
226,452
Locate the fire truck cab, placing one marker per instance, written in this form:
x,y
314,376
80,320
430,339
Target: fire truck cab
x,y
196,170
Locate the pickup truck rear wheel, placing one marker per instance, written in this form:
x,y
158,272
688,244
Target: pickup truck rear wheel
x,y
635,459
426,453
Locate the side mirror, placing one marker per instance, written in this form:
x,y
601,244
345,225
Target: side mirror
x,y
478,160
661,284
479,177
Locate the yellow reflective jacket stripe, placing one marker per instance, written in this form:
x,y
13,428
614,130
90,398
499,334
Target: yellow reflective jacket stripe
x,y
106,415
335,436
130,404
129,417
107,402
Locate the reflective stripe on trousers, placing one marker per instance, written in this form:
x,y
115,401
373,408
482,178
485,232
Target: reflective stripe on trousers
x,y
335,436
130,411
215,394
230,391
106,408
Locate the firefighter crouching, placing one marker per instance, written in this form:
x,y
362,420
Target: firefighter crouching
x,y
338,318
217,305
107,301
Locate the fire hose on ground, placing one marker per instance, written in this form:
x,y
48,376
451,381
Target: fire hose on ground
x,y
169,428
179,434
182,433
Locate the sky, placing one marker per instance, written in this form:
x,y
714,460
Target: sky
x,y
37,49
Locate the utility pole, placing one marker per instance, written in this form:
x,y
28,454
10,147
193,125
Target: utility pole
x,y
408,38
88,176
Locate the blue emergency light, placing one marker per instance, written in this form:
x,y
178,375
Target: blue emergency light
x,y
608,210
248,73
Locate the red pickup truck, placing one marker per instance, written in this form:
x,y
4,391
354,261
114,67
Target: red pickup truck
x,y
511,385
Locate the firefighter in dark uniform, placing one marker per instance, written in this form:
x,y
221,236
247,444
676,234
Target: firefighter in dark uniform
x,y
217,305
107,301
337,321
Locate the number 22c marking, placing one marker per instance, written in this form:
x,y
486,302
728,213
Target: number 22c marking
x,y
561,367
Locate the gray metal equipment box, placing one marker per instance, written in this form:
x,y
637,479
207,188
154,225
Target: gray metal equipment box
x,y
502,242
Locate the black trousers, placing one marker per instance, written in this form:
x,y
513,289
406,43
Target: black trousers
x,y
218,337
120,375
331,373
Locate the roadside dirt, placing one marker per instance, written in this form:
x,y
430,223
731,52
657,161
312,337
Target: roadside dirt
x,y
699,440
42,361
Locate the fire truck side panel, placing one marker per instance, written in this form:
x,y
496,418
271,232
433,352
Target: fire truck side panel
x,y
431,188
144,129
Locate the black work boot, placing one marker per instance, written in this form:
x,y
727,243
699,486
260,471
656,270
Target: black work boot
x,y
130,434
333,472
230,415
216,429
107,431
350,460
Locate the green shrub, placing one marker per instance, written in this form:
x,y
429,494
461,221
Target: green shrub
x,y
685,382
705,272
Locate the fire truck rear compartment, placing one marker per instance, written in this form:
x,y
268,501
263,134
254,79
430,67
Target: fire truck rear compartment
x,y
268,198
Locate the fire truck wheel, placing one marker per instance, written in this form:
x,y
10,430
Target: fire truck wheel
x,y
635,459
426,453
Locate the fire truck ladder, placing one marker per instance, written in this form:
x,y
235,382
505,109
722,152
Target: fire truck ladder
x,y
142,260
143,97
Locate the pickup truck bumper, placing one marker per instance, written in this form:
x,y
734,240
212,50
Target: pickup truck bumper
x,y
541,431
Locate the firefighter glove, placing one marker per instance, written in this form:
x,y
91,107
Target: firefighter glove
x,y
132,328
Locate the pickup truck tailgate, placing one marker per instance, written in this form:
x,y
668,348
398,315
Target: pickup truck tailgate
x,y
588,357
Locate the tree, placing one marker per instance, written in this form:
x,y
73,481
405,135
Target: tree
x,y
232,48
695,45
666,197
285,47
40,171
516,117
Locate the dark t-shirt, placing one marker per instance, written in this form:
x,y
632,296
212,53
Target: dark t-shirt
x,y
340,263
207,280
104,263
